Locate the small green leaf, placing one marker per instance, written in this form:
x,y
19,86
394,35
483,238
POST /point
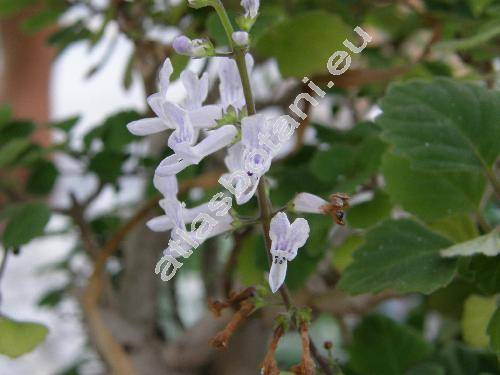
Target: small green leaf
x,y
26,223
400,255
66,125
493,331
304,43
42,178
488,245
52,298
443,125
107,165
12,150
18,338
477,313
431,195
383,347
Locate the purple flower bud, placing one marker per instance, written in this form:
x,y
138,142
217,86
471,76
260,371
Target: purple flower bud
x,y
240,38
183,45
194,48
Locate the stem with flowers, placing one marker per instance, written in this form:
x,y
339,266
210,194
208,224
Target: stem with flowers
x,y
265,204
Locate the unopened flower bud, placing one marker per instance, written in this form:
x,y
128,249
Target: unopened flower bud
x,y
327,345
194,48
240,38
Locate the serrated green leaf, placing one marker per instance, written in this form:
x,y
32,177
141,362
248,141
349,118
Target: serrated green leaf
x,y
383,347
303,44
400,255
477,313
431,195
18,338
25,224
443,125
488,245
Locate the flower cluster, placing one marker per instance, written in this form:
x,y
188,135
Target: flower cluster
x,y
199,130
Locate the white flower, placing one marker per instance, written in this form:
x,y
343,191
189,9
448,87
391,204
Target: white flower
x,y
248,159
177,217
286,240
240,38
183,142
201,117
309,203
251,8
194,48
231,90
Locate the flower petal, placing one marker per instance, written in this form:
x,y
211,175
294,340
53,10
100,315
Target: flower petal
x,y
249,192
146,126
279,227
160,224
310,203
251,127
171,165
166,185
216,140
298,235
206,116
196,89
277,274
166,71
157,104
231,90
234,157
174,210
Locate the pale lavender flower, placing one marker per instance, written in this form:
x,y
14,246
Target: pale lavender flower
x,y
183,142
249,156
309,203
240,38
251,8
195,48
196,89
286,239
231,89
